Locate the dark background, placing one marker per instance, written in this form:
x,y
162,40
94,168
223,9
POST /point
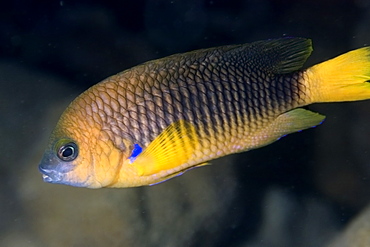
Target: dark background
x,y
300,191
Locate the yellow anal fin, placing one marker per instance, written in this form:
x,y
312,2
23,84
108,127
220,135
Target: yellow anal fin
x,y
297,120
179,173
287,123
202,164
170,149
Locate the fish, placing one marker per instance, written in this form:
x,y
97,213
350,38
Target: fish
x,y
164,117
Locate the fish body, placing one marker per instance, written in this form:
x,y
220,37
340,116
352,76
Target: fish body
x,y
164,117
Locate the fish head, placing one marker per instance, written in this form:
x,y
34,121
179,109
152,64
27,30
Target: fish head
x,y
61,164
81,154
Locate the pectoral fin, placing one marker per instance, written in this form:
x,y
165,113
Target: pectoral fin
x,y
170,149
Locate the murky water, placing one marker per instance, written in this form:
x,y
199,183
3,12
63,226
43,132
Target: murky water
x,y
300,191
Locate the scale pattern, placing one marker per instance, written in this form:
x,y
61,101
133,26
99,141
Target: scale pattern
x,y
227,98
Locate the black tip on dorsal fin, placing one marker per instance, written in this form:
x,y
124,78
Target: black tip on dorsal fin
x,y
278,56
293,54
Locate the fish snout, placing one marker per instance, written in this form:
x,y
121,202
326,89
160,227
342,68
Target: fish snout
x,y
50,176
51,169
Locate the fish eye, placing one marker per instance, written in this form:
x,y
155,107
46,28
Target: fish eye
x,y
68,152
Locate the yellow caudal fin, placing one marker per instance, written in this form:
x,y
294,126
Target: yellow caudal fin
x,y
344,78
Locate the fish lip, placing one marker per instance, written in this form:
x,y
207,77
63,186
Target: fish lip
x,y
50,176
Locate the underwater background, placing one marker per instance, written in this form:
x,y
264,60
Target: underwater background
x,y
303,190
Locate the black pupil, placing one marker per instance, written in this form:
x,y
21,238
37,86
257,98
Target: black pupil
x,y
68,151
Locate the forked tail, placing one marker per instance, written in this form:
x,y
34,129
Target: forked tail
x,y
343,78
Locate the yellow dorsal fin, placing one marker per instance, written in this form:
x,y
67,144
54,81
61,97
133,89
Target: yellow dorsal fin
x,y
170,149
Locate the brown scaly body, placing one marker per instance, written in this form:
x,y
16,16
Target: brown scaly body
x,y
225,99
156,120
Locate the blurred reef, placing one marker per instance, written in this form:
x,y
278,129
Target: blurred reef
x,y
309,189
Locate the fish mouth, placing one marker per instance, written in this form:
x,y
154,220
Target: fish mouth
x,y
50,176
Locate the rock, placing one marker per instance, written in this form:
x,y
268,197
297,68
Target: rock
x,y
357,234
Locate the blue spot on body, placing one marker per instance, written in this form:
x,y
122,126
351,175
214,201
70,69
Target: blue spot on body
x,y
135,152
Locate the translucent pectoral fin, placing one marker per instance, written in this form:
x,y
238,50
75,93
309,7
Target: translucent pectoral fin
x,y
170,149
